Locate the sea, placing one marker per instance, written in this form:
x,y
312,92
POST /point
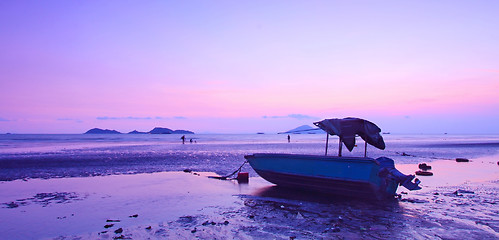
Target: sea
x,y
25,156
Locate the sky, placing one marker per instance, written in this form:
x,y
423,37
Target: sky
x,y
248,66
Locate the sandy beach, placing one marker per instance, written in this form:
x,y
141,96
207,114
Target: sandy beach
x,y
459,200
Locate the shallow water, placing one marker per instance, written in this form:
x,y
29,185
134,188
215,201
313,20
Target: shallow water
x,y
459,200
54,155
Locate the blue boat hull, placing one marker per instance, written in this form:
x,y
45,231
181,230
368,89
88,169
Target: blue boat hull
x,y
348,176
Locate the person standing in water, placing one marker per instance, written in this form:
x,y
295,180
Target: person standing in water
x,y
289,138
183,139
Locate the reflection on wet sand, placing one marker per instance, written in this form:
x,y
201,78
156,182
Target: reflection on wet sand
x,y
179,205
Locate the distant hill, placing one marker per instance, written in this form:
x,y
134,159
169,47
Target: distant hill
x,y
136,132
182,132
101,131
160,130
156,130
305,129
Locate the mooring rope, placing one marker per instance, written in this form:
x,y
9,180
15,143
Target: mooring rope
x,y
230,175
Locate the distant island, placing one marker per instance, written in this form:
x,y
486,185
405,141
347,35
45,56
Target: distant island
x,y
305,129
137,132
156,130
101,131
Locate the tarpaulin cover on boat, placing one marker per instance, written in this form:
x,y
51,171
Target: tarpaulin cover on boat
x,y
348,128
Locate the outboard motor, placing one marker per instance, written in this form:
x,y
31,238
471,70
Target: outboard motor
x,y
388,170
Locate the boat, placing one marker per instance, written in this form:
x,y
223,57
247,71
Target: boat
x,y
362,177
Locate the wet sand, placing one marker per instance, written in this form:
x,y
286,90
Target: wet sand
x,y
459,201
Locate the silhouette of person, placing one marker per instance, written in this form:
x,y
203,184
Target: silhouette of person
x,y
289,138
190,140
183,139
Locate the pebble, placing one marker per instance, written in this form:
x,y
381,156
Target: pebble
x,y
108,225
119,230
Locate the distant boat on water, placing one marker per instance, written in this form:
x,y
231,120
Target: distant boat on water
x,y
349,176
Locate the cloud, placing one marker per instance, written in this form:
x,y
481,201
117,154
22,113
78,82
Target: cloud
x,y
169,118
295,116
70,119
123,118
138,118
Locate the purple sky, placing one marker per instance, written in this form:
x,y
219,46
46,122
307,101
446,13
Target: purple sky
x,y
245,67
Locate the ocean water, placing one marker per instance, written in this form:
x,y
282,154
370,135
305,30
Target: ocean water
x,y
59,155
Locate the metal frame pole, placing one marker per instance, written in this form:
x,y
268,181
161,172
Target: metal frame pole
x,y
339,150
365,149
327,142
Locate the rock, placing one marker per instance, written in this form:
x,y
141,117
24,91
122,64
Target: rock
x,y
462,160
226,222
149,228
206,223
111,220
119,230
134,216
413,200
108,225
194,230
12,205
424,173
187,170
460,191
424,166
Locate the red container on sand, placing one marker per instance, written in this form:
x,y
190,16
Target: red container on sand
x,y
242,177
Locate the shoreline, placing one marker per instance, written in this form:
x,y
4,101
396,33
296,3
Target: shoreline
x,y
185,205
